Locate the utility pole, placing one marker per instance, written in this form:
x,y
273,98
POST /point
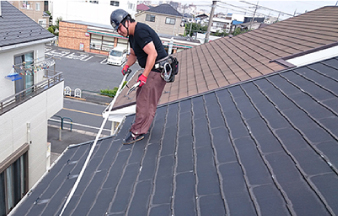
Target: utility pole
x,y
206,40
252,20
190,29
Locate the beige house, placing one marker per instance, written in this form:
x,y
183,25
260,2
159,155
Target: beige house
x,y
164,19
34,10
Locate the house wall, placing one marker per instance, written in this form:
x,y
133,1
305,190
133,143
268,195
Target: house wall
x,y
30,11
71,35
14,132
8,86
36,111
90,12
160,26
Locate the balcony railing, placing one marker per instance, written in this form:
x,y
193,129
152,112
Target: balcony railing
x,y
19,98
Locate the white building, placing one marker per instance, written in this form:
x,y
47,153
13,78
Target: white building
x,y
90,11
28,98
220,24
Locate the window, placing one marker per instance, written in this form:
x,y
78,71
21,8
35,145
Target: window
x,y
13,184
26,5
115,3
130,6
107,43
37,6
150,18
170,21
24,65
42,22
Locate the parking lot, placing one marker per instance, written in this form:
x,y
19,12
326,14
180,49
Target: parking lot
x,y
86,71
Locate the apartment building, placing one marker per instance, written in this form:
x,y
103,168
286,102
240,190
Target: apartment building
x,y
34,10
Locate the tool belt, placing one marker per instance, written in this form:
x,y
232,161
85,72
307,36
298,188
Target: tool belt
x,y
168,67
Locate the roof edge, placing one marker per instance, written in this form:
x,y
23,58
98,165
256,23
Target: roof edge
x,y
28,43
309,51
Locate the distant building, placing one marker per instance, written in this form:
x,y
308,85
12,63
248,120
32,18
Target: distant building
x,y
34,10
163,19
142,7
91,11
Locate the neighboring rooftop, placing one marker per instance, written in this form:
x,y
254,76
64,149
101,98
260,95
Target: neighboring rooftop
x,y
165,9
142,7
267,146
231,60
17,28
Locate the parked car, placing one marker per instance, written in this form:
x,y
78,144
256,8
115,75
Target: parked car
x,y
117,56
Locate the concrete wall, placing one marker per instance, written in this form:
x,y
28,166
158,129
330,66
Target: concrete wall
x,y
14,133
160,26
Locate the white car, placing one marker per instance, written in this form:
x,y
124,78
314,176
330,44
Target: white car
x,y
117,56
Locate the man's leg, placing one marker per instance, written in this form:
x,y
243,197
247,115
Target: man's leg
x,y
146,103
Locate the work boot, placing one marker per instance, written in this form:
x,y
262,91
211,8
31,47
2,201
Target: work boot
x,y
132,138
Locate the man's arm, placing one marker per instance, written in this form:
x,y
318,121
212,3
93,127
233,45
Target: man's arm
x,y
132,58
151,59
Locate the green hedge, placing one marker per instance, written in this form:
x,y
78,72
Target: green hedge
x,y
111,92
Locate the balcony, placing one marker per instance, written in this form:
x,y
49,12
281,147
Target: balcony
x,y
19,98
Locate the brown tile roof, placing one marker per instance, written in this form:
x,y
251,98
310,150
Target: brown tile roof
x,y
230,60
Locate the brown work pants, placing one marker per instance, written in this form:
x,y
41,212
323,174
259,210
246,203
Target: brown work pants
x,y
147,97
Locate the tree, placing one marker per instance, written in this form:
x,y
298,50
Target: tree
x,y
195,27
54,29
239,31
221,34
51,29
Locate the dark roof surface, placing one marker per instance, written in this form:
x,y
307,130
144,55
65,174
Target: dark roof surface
x,y
231,60
262,147
165,9
16,27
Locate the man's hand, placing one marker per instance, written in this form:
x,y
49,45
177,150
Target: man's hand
x,y
125,69
142,79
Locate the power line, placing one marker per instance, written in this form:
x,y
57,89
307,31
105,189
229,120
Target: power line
x,y
281,12
245,9
235,10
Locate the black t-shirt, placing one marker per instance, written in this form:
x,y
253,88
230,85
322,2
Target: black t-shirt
x,y
142,36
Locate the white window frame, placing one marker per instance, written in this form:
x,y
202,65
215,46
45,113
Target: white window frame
x,y
37,6
42,22
170,21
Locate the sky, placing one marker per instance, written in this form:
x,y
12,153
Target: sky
x,y
287,6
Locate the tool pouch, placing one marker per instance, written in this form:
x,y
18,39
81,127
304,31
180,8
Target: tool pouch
x,y
168,67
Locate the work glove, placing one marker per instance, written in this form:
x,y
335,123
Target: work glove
x,y
142,79
125,69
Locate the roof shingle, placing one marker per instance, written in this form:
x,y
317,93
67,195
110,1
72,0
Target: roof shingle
x,y
16,27
267,146
165,9
249,55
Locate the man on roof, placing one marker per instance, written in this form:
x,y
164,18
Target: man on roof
x,y
147,48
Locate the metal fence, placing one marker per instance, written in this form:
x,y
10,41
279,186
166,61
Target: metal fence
x,y
20,97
